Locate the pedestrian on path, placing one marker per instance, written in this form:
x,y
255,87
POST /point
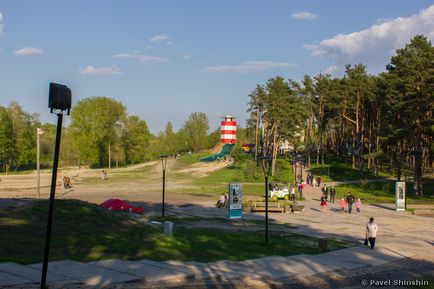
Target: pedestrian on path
x,y
318,181
350,201
371,232
293,194
325,191
342,205
358,205
332,194
323,203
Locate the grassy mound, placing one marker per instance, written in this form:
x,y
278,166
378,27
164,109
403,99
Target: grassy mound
x,y
87,232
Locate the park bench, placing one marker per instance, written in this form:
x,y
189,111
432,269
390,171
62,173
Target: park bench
x,y
297,208
273,207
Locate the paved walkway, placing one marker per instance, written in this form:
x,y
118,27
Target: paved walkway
x,y
62,274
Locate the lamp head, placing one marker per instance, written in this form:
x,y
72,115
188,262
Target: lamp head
x,y
59,98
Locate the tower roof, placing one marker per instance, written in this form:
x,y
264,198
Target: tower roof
x,y
228,116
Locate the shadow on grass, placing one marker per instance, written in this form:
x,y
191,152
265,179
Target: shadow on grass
x,y
87,232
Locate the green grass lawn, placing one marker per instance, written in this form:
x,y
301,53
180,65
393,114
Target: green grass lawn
x,y
245,171
342,172
187,160
384,192
86,232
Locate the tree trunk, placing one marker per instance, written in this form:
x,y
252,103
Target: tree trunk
x,y
356,141
418,189
353,152
257,135
377,143
275,148
109,156
399,161
362,138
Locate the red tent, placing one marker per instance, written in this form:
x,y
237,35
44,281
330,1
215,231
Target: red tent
x,y
119,205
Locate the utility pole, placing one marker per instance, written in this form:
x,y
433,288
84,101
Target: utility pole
x,y
39,131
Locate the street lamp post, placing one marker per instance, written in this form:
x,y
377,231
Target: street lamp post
x,y
266,168
59,101
39,132
163,165
301,177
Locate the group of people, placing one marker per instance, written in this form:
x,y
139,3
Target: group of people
x,y
346,202
66,182
314,182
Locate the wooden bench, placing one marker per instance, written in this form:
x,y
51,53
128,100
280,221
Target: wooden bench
x,y
297,208
273,207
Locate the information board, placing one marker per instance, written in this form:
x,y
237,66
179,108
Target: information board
x,y
235,201
400,196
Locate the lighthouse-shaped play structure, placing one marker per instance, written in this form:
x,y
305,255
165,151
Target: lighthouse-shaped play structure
x,y
228,138
228,130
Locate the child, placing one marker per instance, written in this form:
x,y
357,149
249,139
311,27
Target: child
x,y
358,205
342,204
323,203
65,182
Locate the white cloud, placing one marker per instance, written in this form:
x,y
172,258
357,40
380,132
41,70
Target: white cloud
x,y
187,56
29,51
2,26
383,19
304,16
332,69
375,45
108,70
143,58
248,66
161,38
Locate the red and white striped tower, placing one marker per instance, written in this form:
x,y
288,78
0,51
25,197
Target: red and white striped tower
x,y
228,130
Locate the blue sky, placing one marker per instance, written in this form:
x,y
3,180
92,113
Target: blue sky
x,y
166,59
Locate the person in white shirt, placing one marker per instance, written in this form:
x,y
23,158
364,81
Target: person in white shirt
x,y
371,232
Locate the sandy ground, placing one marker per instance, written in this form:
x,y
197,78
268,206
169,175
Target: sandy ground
x,y
133,183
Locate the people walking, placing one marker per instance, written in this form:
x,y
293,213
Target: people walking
x,y
323,203
371,232
332,194
350,201
325,191
318,181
